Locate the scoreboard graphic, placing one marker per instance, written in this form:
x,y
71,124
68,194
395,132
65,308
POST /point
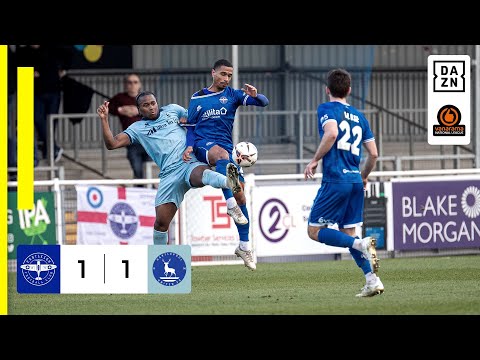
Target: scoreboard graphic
x,y
103,269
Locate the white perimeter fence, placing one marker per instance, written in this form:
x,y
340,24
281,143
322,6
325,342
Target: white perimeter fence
x,y
428,212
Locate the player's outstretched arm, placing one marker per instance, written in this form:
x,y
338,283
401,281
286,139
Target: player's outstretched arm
x,y
372,155
111,142
254,98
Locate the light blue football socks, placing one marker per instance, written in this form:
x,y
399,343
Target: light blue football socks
x,y
160,237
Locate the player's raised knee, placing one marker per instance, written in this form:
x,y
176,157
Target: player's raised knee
x,y
218,153
161,226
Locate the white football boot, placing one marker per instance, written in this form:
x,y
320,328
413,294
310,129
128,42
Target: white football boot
x,y
370,252
372,288
233,181
237,215
247,257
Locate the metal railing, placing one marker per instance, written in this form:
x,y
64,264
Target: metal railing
x,y
57,171
300,131
75,134
403,89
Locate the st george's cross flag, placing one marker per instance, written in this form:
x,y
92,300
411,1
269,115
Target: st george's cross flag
x,y
110,215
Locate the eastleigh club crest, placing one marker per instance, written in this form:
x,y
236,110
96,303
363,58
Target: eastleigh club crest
x,y
38,269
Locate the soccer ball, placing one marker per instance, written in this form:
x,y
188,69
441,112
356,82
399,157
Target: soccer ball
x,y
245,154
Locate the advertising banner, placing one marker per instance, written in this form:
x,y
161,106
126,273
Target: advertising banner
x,y
110,215
280,216
31,227
206,226
437,214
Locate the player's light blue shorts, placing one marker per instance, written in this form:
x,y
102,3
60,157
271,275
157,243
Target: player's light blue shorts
x,y
338,203
174,184
201,149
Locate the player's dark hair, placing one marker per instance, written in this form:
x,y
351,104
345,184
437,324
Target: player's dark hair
x,y
222,62
141,95
339,82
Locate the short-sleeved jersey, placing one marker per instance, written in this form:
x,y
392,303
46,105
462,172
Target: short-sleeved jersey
x,y
213,115
341,164
164,139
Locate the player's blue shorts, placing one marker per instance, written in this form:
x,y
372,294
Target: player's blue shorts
x,y
338,203
174,184
201,152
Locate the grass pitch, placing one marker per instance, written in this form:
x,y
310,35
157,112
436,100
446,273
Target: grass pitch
x,y
413,286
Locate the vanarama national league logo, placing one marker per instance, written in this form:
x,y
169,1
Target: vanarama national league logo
x,y
449,117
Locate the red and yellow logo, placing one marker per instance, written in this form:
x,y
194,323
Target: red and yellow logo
x,y
449,117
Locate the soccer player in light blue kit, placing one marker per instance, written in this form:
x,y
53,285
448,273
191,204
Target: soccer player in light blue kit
x,y
210,115
343,130
164,140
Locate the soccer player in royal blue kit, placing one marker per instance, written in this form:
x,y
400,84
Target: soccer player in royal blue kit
x,y
343,129
210,115
163,137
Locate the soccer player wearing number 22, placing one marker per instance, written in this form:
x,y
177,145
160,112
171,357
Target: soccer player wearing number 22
x,y
211,113
343,130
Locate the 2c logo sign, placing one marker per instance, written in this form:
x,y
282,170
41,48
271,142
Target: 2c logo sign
x,y
275,220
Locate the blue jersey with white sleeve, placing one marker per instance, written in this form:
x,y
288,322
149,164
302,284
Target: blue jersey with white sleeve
x,y
164,139
213,114
341,164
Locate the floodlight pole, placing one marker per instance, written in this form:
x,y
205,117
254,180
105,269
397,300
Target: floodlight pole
x,y
235,85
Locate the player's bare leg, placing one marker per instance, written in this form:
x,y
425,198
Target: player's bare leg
x,y
164,215
202,175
